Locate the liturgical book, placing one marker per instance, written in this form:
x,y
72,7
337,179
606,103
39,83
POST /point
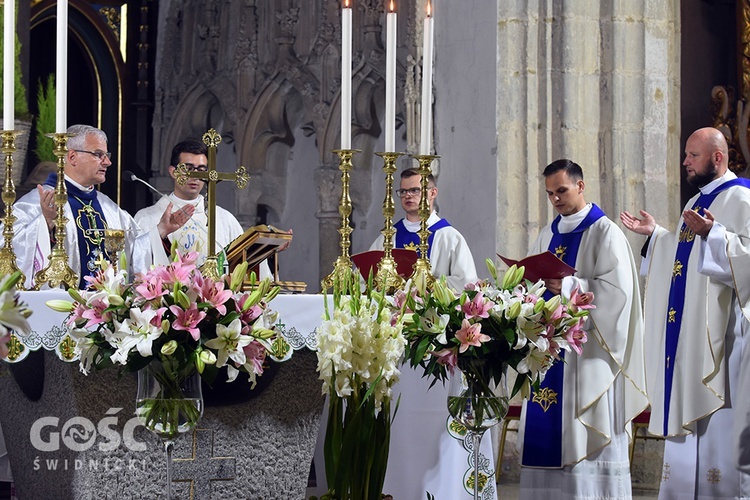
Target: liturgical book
x,y
540,266
367,262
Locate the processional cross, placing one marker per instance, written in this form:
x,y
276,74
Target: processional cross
x,y
211,139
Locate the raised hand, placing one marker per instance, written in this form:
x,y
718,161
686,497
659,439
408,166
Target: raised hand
x,y
644,226
172,221
697,223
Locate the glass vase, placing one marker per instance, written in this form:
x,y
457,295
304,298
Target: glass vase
x,y
169,403
478,399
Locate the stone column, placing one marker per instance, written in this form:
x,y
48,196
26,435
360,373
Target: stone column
x,y
596,82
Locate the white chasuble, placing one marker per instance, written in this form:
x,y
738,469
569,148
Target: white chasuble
x,y
698,458
604,387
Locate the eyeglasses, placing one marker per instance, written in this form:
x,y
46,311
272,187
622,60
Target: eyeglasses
x,y
99,154
195,168
403,193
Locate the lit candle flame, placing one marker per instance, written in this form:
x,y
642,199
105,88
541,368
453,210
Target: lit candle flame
x,y
393,6
429,8
346,4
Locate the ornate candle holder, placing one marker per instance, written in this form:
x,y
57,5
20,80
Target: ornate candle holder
x,y
7,255
343,264
422,270
387,279
58,272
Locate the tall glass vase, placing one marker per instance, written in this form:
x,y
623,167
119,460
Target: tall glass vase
x,y
477,402
169,403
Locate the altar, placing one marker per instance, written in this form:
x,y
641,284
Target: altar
x,y
71,436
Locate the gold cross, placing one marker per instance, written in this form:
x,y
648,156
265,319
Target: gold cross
x,y
211,139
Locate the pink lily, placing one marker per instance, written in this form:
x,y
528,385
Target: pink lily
x,y
214,293
95,313
584,300
478,307
470,335
256,356
188,319
447,357
576,337
151,289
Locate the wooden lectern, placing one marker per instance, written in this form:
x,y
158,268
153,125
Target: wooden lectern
x,y
254,246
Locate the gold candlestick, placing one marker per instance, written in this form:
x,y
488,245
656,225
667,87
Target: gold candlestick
x,y
343,265
7,255
58,272
388,279
422,269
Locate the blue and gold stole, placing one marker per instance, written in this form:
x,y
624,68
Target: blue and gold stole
x,y
677,290
409,240
542,442
87,214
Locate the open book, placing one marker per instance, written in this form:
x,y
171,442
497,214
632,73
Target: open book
x,y
367,262
541,265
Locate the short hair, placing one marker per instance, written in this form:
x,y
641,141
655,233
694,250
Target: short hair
x,y
411,172
79,133
573,170
192,146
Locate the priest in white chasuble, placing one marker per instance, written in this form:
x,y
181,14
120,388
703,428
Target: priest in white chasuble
x,y
574,432
88,213
187,202
696,312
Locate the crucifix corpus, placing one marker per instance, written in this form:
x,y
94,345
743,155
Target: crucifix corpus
x,y
211,139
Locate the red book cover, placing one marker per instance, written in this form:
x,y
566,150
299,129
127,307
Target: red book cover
x,y
541,265
367,262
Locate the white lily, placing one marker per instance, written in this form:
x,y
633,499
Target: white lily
x,y
229,342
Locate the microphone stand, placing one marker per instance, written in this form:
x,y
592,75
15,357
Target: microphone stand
x,y
130,176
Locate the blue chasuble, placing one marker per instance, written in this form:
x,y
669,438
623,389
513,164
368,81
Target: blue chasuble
x,y
677,290
87,214
542,443
409,240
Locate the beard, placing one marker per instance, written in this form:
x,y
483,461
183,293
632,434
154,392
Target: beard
x,y
700,180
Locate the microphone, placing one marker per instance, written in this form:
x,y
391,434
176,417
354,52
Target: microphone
x,y
130,176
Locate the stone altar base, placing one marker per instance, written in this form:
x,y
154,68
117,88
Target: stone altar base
x,y
80,439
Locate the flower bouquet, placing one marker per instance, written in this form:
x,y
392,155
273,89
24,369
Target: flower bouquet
x,y
179,320
13,312
475,335
492,325
360,347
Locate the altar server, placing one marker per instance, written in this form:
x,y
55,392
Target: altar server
x,y
696,312
87,211
448,252
573,437
427,453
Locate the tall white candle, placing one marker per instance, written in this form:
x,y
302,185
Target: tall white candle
x,y
9,59
390,80
61,76
346,76
427,49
